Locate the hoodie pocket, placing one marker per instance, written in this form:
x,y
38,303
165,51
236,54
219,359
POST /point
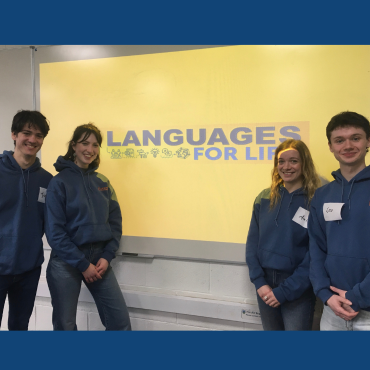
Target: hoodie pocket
x,y
273,260
346,272
92,233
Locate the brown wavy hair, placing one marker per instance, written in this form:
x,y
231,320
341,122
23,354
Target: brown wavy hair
x,y
311,180
81,134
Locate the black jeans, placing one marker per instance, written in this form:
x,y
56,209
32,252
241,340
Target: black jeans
x,y
294,315
21,290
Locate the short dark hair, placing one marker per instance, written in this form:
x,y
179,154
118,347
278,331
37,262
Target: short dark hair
x,y
348,119
80,134
32,118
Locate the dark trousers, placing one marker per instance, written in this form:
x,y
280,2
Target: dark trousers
x,y
294,315
21,290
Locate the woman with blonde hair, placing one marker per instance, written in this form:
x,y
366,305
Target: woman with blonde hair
x,y
277,244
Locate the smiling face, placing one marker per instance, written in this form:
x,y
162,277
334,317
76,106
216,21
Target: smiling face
x,y
86,151
290,168
348,144
28,141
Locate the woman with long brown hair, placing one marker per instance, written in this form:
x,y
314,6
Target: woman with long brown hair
x,y
83,228
277,244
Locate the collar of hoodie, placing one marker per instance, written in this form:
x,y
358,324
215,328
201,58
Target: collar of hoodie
x,y
62,164
12,165
282,192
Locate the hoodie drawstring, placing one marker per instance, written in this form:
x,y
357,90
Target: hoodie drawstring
x,y
83,180
277,215
349,196
26,184
88,181
291,200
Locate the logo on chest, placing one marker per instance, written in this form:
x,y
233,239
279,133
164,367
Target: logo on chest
x,y
103,189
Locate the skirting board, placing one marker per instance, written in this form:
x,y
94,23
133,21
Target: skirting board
x,y
176,304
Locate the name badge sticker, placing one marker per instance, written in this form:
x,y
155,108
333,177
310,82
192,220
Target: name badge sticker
x,y
42,195
332,211
301,217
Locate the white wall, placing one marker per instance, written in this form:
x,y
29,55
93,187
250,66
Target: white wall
x,y
161,293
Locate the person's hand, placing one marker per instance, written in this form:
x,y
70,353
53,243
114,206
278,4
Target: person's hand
x,y
102,266
91,274
266,294
271,300
336,303
263,291
342,293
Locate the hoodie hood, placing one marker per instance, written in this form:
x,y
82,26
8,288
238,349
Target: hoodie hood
x,y
62,164
12,165
363,175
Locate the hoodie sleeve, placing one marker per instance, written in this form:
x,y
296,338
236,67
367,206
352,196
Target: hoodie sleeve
x,y
55,228
115,223
256,272
296,284
318,252
359,295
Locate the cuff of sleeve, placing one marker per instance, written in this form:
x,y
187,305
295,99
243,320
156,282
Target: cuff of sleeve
x,y
108,256
259,282
279,295
350,295
324,295
83,265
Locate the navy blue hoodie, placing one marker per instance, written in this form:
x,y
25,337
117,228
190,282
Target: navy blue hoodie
x,y
277,242
21,215
340,250
81,208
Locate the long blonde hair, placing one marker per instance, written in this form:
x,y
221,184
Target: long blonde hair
x,y
311,180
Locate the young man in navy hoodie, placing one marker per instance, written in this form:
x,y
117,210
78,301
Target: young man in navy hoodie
x,y
23,185
339,229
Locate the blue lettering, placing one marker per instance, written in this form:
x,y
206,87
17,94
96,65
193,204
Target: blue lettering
x,y
262,153
197,153
214,139
248,154
218,155
178,140
131,138
234,136
270,152
110,141
261,134
230,152
287,131
156,140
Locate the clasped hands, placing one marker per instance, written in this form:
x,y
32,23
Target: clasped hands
x,y
95,272
267,295
340,305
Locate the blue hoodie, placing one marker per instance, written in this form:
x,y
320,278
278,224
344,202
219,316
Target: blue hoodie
x,y
340,250
81,208
21,215
277,242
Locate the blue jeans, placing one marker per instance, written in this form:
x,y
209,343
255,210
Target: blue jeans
x,y
295,315
330,321
21,290
64,283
